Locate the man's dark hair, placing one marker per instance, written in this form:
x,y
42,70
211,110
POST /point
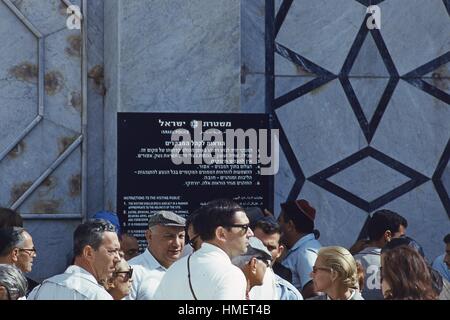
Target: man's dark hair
x,y
268,227
447,239
10,218
190,221
10,238
90,233
215,213
404,241
383,220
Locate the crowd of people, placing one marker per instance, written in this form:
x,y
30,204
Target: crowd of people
x,y
225,252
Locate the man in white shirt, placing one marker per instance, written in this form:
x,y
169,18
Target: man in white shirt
x,y
165,238
208,273
96,250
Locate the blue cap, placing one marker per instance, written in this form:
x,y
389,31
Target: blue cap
x,y
109,216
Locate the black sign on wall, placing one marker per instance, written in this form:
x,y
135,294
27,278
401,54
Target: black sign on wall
x,y
148,178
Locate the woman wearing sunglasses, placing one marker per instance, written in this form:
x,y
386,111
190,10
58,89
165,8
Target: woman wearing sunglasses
x,y
335,274
119,284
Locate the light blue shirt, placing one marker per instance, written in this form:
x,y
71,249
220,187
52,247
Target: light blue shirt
x,y
440,266
285,290
301,258
370,259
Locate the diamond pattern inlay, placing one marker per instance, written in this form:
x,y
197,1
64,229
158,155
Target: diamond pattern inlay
x,y
368,179
369,106
322,179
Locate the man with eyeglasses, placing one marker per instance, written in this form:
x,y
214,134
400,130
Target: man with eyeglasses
x,y
165,242
208,273
17,248
96,250
13,283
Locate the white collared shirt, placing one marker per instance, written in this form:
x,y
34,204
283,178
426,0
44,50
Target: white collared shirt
x,y
74,284
213,277
266,291
147,273
301,258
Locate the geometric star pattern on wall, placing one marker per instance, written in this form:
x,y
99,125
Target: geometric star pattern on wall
x,y
368,125
367,122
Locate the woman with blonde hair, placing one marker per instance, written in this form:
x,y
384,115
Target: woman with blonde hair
x,y
335,274
119,285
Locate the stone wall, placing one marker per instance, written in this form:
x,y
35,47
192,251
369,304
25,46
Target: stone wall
x,y
364,114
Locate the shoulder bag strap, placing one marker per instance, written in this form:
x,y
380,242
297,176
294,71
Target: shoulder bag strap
x,y
189,276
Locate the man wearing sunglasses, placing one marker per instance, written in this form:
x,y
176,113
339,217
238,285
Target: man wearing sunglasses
x,y
96,249
208,273
17,248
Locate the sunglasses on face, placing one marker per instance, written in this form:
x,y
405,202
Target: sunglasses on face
x,y
104,228
244,227
191,242
127,274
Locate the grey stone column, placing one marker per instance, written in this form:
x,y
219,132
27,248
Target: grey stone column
x,y
168,56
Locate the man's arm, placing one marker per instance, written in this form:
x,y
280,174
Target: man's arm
x,y
359,246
